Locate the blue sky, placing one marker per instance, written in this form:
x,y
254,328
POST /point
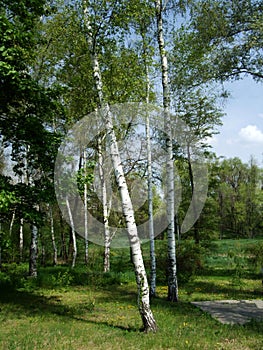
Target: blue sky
x,y
242,132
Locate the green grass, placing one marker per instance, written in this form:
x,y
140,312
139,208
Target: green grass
x,y
101,313
95,318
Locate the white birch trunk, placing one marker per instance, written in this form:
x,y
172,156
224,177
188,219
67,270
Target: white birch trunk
x,y
86,242
33,252
105,208
12,223
172,270
150,194
21,239
74,241
127,208
52,231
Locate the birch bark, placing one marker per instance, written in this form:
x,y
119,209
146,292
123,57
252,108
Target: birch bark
x,y
21,239
148,320
150,193
33,252
105,208
12,223
55,251
85,208
74,242
172,268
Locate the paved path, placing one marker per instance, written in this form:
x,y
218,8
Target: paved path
x,y
233,311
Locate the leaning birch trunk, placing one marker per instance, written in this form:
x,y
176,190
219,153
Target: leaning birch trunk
x,y
74,242
21,240
86,242
148,320
107,236
172,268
33,252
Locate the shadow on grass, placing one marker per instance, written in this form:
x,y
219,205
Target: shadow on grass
x,y
28,304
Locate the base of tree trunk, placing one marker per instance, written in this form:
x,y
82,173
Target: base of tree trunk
x,y
32,275
172,294
149,324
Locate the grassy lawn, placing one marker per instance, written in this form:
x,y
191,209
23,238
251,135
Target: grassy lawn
x,y
105,316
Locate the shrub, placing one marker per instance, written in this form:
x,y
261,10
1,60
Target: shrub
x,y
255,255
190,259
13,275
55,277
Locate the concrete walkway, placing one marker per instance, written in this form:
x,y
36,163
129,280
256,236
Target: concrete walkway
x,y
233,311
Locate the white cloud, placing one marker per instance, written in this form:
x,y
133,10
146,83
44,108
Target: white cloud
x,y
251,133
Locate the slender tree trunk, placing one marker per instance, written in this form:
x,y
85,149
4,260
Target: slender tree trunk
x,y
43,253
127,208
73,235
86,242
21,240
72,238
150,212
63,251
12,223
150,192
172,268
33,252
52,231
107,238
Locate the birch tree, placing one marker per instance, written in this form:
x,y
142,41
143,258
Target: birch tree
x,y
73,234
148,320
52,231
172,268
105,208
85,199
21,239
150,195
149,166
33,251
